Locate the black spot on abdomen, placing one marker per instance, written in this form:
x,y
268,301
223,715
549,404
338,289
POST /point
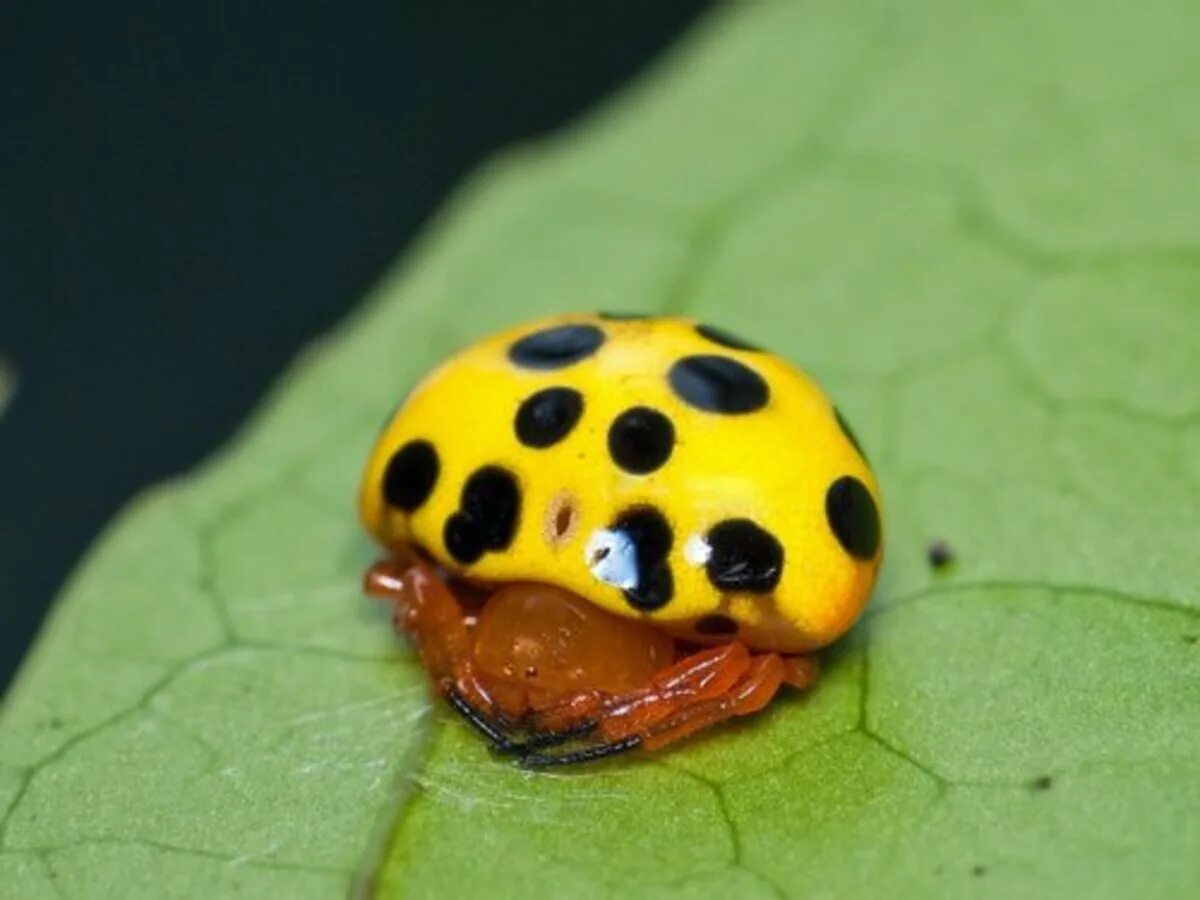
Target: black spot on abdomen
x,y
853,516
651,535
548,416
744,557
410,475
556,348
718,384
463,538
640,440
489,510
724,338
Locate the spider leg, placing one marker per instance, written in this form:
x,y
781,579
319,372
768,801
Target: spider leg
x,y
670,714
622,722
542,740
501,741
425,607
590,753
583,714
476,719
428,610
800,671
384,580
752,692
706,673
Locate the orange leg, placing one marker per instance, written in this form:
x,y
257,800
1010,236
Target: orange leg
x,y
751,693
617,720
800,671
701,690
428,610
707,673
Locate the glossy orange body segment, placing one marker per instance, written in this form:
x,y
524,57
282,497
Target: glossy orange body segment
x,y
539,655
554,642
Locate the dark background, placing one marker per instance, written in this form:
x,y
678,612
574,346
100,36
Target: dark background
x,y
190,192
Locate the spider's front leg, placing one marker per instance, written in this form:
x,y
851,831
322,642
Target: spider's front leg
x,y
426,608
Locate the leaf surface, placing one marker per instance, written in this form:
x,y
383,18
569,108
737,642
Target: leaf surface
x,y
980,228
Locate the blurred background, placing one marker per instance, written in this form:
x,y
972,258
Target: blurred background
x,y
189,193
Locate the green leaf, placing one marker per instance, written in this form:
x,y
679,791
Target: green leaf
x,y
979,225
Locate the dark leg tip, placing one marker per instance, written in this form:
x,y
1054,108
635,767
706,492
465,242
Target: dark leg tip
x,y
542,740
492,731
584,755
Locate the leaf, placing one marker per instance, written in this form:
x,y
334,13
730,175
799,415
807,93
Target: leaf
x,y
980,228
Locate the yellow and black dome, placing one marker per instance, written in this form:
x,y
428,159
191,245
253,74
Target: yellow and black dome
x,y
659,468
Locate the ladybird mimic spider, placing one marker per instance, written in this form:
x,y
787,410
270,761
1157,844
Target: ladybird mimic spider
x,y
553,680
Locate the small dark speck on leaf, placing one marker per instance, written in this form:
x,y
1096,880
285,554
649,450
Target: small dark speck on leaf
x,y
940,554
1041,783
979,871
1191,639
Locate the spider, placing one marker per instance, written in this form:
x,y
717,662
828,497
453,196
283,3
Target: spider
x,y
535,668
